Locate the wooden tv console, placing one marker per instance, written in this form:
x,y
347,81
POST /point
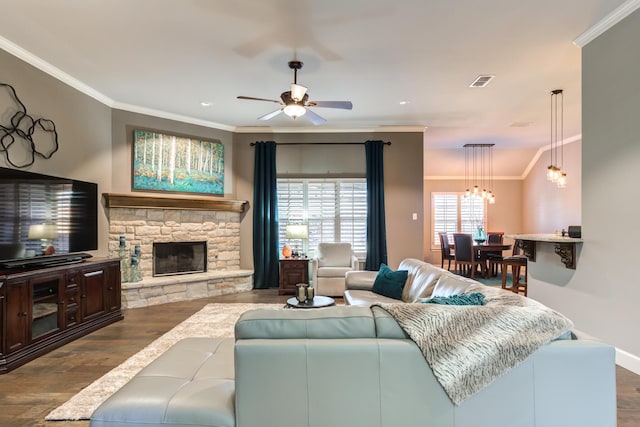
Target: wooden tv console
x,y
43,309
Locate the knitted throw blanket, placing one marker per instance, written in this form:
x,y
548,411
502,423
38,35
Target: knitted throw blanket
x,y
468,347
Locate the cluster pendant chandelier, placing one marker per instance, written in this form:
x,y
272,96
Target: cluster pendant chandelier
x,y
478,171
555,173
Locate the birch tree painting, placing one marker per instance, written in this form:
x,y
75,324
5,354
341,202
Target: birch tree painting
x,y
173,163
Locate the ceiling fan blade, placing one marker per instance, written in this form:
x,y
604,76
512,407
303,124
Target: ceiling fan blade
x,y
270,115
345,105
297,91
314,118
251,98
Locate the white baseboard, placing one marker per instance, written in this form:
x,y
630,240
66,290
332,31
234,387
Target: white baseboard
x,y
628,361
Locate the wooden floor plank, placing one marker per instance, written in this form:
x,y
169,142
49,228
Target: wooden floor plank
x,y
30,392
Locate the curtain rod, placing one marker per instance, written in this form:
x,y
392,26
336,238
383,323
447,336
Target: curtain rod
x,y
321,143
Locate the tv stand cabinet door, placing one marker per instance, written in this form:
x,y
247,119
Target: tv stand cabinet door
x,y
112,287
92,285
17,315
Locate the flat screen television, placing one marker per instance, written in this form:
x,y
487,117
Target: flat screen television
x,y
45,219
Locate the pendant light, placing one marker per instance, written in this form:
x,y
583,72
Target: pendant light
x,y
478,171
555,173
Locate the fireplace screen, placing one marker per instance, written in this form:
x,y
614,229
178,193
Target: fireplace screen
x,y
179,258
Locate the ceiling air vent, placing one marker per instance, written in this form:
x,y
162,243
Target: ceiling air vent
x,y
481,81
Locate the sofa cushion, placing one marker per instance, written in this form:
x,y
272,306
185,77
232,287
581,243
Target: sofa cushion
x,y
360,279
365,298
326,323
191,384
389,283
450,284
424,279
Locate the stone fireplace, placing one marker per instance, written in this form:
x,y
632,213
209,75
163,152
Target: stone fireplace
x,y
212,223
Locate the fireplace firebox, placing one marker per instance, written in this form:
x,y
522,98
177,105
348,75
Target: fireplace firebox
x,y
170,258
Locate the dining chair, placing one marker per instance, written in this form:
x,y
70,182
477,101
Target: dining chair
x,y
466,258
518,263
494,257
445,251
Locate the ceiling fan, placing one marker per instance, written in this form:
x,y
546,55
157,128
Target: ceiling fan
x,y
295,102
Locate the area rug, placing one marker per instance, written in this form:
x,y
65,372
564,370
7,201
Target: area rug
x,y
214,320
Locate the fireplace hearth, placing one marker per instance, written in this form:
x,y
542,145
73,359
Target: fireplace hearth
x,y
171,258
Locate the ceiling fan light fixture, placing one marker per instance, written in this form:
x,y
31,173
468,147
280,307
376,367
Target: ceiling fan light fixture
x,y
297,92
294,110
294,102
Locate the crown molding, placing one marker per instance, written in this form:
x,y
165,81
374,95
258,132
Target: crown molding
x,y
60,75
269,129
458,177
171,116
53,71
624,10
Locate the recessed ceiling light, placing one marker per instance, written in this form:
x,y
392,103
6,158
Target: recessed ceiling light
x,y
404,102
206,103
482,80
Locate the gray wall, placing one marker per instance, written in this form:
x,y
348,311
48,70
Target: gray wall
x,y
402,169
83,125
125,122
601,296
546,207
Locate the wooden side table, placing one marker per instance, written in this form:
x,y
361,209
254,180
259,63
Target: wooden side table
x,y
292,272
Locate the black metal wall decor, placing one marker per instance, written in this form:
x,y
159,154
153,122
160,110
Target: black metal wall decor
x,y
23,129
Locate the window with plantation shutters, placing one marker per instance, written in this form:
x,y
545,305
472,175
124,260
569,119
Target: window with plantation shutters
x,y
353,215
455,213
335,210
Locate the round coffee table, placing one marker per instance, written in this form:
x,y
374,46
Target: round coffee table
x,y
316,302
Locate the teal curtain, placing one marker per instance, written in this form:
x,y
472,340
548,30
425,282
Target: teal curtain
x,y
376,228
265,217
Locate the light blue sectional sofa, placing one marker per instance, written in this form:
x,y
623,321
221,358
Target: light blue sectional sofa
x,y
355,367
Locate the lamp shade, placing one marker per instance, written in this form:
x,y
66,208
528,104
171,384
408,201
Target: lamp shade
x,y
43,231
297,92
297,231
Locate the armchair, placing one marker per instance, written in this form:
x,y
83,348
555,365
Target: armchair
x,y
329,266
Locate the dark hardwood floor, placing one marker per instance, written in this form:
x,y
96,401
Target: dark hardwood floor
x,y
30,392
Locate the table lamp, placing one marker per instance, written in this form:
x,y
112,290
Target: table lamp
x,y
296,232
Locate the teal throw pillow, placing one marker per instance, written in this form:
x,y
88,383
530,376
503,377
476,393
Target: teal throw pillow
x,y
475,298
390,283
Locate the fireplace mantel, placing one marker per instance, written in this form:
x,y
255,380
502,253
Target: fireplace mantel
x,y
134,201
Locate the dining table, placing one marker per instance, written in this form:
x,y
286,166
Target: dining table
x,y
483,248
